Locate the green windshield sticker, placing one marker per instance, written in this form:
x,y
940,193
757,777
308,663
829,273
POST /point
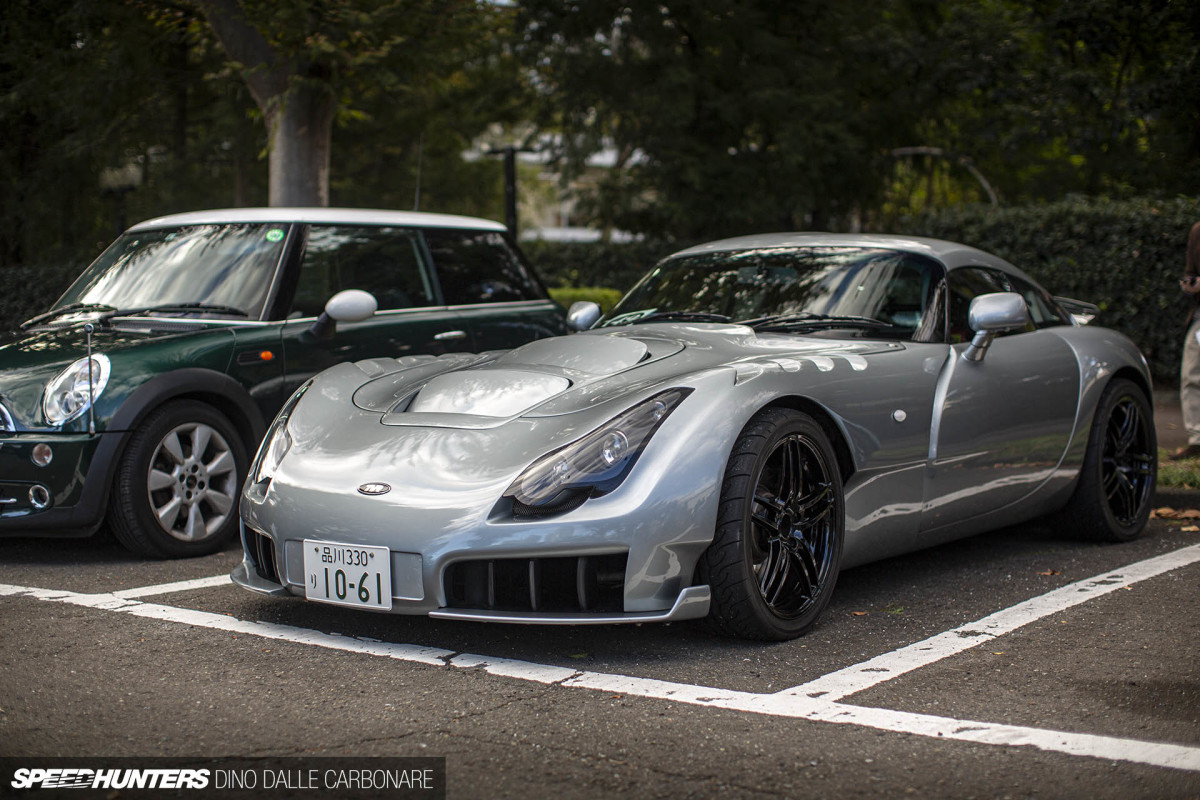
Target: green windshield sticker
x,y
274,235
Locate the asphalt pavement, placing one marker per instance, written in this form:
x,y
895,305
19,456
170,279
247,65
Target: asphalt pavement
x,y
1019,664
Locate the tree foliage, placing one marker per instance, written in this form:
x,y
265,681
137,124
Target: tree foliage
x,y
733,115
308,63
742,115
723,116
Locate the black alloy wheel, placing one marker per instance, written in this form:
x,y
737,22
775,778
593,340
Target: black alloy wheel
x,y
777,551
1127,465
1116,484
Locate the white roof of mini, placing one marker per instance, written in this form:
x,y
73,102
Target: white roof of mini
x,y
324,216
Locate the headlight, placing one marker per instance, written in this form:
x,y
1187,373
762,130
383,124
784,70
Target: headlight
x,y
598,462
277,441
70,394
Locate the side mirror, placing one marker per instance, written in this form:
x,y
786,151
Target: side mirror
x,y
351,305
582,315
991,314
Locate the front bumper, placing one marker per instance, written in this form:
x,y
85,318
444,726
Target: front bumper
x,y
692,603
76,483
599,564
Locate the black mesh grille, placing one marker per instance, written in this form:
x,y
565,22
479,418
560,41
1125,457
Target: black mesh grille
x,y
262,551
573,584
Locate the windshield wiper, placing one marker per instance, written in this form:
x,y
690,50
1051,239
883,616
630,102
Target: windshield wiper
x,y
58,312
808,319
685,316
178,308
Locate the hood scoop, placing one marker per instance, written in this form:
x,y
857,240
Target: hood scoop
x,y
496,393
593,355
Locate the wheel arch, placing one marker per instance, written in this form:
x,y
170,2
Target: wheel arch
x,y
827,422
1137,377
207,386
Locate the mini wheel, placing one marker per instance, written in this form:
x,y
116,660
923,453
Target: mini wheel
x,y
777,550
176,488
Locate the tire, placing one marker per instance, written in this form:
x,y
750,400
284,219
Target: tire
x,y
176,489
1112,500
777,548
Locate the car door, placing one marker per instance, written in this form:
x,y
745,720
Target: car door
x,y
389,262
1001,425
485,280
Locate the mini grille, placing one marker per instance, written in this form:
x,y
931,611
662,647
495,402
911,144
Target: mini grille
x,y
573,584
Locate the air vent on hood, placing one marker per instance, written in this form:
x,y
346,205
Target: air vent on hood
x,y
595,355
486,392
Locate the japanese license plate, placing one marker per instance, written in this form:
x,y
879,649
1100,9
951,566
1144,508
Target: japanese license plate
x,y
348,574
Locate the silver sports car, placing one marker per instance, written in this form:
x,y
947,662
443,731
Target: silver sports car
x,y
756,415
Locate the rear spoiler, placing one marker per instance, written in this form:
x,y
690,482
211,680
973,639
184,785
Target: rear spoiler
x,y
1081,312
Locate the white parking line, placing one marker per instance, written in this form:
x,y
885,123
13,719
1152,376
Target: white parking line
x,y
816,700
848,681
179,586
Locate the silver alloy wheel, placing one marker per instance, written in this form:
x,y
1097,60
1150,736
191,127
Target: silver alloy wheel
x,y
192,482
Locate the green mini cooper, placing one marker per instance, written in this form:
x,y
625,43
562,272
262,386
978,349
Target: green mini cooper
x,y
139,397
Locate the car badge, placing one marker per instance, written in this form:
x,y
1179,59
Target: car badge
x,y
374,489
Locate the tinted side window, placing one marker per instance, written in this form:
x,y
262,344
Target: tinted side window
x,y
1044,312
965,285
480,267
381,260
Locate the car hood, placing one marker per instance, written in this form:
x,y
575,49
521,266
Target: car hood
x,y
455,431
573,374
30,360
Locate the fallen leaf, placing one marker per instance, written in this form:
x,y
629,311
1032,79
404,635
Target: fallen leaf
x,y
579,655
998,654
1190,528
858,613
1051,572
1166,512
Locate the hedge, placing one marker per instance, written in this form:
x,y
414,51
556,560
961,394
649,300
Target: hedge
x,y
615,266
1126,257
605,298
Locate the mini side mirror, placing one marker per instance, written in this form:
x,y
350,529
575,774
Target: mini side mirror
x,y
991,314
582,315
351,305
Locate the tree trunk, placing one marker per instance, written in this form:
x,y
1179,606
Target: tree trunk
x,y
300,133
298,110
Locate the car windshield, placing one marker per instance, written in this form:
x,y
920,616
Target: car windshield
x,y
212,270
891,292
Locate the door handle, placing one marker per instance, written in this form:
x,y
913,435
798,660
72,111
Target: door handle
x,y
450,335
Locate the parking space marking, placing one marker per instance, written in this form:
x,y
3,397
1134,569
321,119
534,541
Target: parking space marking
x,y
792,703
851,680
178,586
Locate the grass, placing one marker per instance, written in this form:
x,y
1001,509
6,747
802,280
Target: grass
x,y
1183,474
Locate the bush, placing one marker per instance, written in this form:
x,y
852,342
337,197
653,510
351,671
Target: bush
x,y
605,298
602,264
1126,257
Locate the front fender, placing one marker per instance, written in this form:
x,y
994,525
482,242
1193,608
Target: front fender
x,y
214,388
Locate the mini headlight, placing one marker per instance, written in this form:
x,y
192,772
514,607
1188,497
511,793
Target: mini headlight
x,y
277,442
71,392
599,461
